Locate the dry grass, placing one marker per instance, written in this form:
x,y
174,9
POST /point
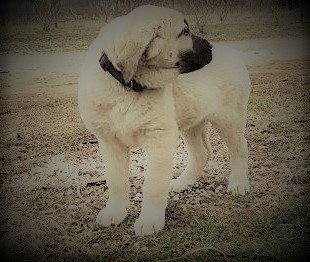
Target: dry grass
x,y
52,184
52,179
76,35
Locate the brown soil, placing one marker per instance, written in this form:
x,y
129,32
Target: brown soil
x,y
53,180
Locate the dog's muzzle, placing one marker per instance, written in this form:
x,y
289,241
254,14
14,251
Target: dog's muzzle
x,y
196,59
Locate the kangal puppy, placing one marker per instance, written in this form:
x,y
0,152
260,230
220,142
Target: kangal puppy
x,y
146,77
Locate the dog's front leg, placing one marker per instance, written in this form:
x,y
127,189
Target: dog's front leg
x,y
116,160
160,148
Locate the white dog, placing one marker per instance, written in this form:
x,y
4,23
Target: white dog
x,y
136,96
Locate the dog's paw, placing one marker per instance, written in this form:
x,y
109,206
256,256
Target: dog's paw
x,y
239,188
149,222
178,185
111,216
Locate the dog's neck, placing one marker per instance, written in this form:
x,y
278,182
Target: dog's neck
x,y
107,66
156,78
148,78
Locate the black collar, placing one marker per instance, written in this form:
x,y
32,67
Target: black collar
x,y
107,65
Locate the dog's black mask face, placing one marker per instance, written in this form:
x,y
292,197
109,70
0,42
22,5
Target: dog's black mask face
x,y
198,58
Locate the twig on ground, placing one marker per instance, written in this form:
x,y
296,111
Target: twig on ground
x,y
78,190
96,182
93,239
93,141
194,251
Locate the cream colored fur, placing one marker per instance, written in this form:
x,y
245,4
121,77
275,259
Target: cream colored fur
x,y
153,119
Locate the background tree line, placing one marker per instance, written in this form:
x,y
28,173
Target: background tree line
x,y
49,12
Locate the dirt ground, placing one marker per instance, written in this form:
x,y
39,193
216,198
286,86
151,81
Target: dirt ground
x,y
52,178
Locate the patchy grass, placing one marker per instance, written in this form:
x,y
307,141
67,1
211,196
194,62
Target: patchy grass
x,y
76,35
280,235
70,36
246,24
55,219
284,233
230,32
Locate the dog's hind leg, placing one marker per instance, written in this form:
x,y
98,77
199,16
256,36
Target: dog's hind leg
x,y
232,134
116,160
199,153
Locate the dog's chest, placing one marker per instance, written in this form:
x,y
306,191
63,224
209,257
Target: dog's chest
x,y
115,119
129,118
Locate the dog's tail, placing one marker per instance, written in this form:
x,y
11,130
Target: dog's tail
x,y
256,58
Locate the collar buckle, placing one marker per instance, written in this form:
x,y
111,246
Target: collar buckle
x,y
104,61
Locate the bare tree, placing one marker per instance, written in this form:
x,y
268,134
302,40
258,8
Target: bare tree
x,y
201,9
303,6
56,9
197,8
104,9
43,12
107,9
222,8
134,3
47,11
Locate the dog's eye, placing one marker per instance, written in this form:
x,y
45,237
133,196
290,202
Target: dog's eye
x,y
184,32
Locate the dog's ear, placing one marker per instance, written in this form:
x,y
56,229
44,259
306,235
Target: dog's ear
x,y
133,49
204,48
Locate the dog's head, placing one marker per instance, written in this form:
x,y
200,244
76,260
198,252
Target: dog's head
x,y
154,39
